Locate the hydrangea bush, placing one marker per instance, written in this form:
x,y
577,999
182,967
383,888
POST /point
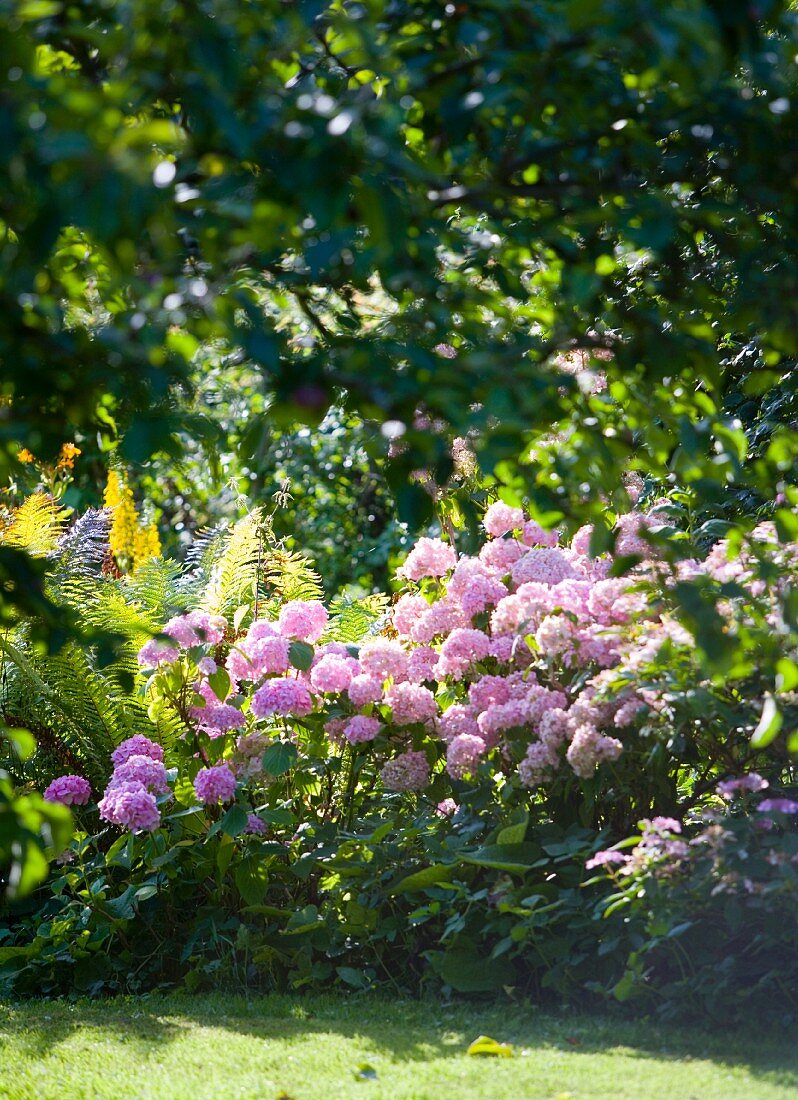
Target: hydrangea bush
x,y
514,715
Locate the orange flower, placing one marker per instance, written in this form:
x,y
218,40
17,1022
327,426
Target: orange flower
x,y
25,456
66,459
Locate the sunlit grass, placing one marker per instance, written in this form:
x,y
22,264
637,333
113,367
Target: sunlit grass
x,y
192,1048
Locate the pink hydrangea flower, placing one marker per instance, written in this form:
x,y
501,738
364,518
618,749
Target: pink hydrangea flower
x,y
543,564
384,658
406,613
142,770
69,790
421,664
440,618
463,648
457,720
778,806
501,555
362,728
304,620
411,703
535,535
283,695
156,652
606,858
501,519
131,806
407,772
331,674
259,656
196,628
138,745
447,807
463,755
255,826
750,783
428,558
214,785
365,689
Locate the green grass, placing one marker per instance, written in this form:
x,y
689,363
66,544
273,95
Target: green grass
x,y
193,1048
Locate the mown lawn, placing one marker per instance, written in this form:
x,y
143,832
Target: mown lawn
x,y
193,1048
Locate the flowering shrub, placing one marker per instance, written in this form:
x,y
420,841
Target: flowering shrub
x,y
714,914
507,722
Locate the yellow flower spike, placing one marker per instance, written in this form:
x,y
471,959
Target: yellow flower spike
x,y
124,527
147,545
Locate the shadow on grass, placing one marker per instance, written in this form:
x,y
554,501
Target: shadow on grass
x,y
406,1030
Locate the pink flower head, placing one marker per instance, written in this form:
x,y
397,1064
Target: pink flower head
x,y
778,806
69,790
365,689
331,674
214,785
304,620
407,772
500,519
544,564
407,611
255,826
384,658
411,703
421,664
142,770
440,618
457,720
256,657
362,728
196,628
535,535
138,745
463,648
283,695
156,652
131,806
428,558
501,555
751,784
605,858
580,543
463,755
447,808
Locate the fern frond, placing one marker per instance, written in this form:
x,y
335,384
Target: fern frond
x,y
290,576
352,620
234,574
37,525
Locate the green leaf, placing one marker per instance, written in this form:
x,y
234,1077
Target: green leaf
x,y
467,972
516,859
220,683
769,724
234,821
365,1071
484,1045
252,880
280,757
420,880
300,654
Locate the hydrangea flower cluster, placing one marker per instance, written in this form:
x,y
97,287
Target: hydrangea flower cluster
x,y
139,776
69,790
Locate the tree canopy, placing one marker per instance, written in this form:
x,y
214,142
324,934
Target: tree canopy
x,y
469,210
